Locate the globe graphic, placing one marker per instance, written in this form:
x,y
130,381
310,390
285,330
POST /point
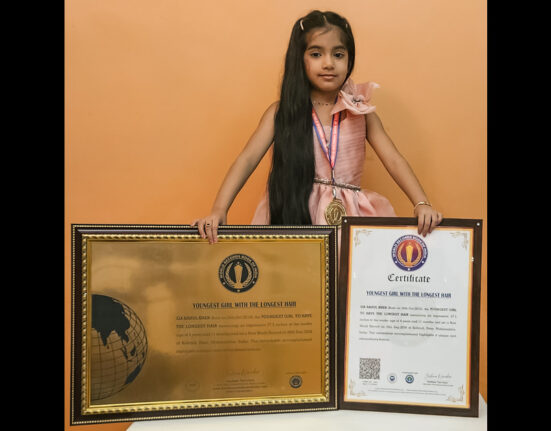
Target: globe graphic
x,y
118,346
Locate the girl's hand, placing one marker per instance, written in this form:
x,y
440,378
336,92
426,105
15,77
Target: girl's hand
x,y
427,218
208,226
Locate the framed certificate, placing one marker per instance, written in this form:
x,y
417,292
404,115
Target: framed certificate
x,y
165,325
409,313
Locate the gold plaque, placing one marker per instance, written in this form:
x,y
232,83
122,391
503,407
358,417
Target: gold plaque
x,y
167,325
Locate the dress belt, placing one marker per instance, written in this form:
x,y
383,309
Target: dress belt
x,y
342,185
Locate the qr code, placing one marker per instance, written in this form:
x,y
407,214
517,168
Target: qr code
x,y
369,368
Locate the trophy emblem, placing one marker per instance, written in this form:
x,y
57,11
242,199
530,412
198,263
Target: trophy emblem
x,y
238,273
409,252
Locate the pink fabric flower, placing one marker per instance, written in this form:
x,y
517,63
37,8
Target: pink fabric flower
x,y
355,98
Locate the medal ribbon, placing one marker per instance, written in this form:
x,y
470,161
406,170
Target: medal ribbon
x,y
335,210
330,150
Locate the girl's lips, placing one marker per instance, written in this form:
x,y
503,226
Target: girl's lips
x,y
328,76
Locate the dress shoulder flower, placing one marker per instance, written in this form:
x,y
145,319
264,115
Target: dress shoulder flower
x,y
355,98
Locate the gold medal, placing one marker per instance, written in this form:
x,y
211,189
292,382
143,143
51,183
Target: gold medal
x,y
334,212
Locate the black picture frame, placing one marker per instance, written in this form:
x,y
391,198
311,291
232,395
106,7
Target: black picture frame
x,y
475,226
82,410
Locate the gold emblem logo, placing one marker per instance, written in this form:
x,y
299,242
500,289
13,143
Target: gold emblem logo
x,y
238,273
409,252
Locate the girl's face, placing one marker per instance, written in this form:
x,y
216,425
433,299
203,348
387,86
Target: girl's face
x,y
326,59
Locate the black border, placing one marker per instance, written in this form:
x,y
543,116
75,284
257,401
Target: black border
x,y
78,230
476,225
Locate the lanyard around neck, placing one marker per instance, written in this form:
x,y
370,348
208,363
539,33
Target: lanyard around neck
x,y
330,150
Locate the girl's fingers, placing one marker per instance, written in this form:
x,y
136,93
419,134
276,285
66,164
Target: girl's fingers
x,y
427,221
421,224
201,227
427,224
435,221
215,230
208,230
211,227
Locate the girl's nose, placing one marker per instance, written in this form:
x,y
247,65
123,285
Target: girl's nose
x,y
328,62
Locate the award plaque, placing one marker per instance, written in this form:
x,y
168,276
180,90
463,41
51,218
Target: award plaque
x,y
409,316
166,325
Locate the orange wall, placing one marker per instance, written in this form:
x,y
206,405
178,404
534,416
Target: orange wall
x,y
162,95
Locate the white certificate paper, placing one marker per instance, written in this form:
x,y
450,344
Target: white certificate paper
x,y
409,316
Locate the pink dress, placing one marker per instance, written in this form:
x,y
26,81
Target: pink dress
x,y
353,100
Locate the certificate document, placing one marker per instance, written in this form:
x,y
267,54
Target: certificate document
x,y
167,325
409,317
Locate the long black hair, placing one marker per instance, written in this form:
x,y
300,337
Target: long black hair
x,y
293,166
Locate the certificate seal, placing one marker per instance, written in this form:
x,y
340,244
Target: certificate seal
x,y
409,252
238,273
295,382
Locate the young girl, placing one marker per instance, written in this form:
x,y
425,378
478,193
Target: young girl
x,y
318,129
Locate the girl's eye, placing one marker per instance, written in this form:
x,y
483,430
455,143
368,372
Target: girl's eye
x,y
315,54
339,54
